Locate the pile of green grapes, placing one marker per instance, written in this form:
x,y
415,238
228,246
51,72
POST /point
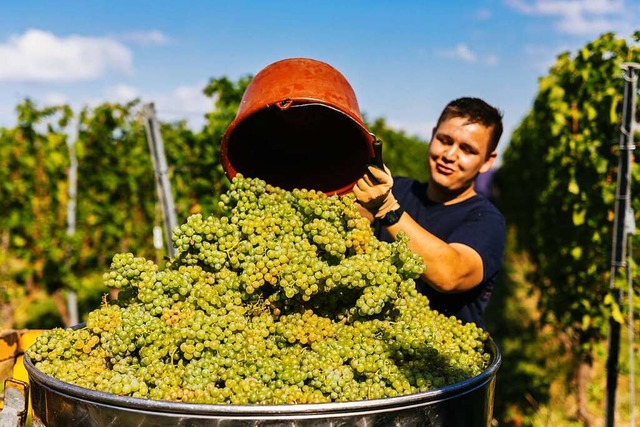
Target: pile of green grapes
x,y
288,298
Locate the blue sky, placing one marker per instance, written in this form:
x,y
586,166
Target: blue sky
x,y
404,59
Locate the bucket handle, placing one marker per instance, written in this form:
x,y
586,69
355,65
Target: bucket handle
x,y
16,403
285,104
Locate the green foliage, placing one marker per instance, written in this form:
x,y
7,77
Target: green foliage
x,y
227,96
33,161
39,312
558,185
404,155
116,187
536,381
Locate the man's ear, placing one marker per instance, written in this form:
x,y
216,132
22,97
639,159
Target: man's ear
x,y
486,166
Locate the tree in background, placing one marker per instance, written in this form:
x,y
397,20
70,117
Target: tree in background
x,y
558,185
33,161
194,157
116,192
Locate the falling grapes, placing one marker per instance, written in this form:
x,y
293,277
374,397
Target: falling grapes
x,y
287,298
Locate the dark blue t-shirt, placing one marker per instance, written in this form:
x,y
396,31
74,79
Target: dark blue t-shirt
x,y
474,222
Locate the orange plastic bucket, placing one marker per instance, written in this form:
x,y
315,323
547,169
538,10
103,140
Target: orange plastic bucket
x,y
299,126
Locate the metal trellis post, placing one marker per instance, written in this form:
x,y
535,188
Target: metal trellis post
x,y
620,230
161,171
72,298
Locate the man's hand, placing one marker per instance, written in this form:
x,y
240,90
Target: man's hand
x,y
373,192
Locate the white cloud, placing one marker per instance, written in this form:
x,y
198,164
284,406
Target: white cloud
x,y
579,17
182,102
460,51
122,93
40,56
464,53
54,98
581,25
145,38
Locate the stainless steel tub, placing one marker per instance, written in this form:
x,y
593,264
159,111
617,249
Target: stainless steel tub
x,y
465,404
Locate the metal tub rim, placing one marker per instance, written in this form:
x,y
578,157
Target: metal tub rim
x,y
269,411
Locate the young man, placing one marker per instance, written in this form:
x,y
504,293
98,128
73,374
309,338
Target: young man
x,y
458,233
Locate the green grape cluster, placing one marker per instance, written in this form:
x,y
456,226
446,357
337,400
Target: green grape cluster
x,y
287,298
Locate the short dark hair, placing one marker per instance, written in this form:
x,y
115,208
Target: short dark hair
x,y
476,111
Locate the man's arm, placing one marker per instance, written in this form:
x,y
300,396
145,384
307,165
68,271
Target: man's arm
x,y
451,267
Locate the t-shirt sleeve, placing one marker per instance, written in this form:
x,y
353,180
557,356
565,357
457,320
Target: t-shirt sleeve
x,y
483,231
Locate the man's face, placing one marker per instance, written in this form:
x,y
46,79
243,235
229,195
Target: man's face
x,y
458,152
